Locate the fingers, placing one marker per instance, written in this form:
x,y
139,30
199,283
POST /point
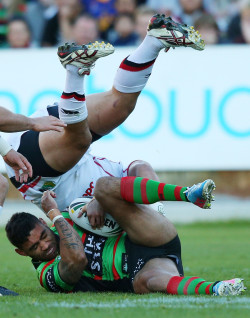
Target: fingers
x,y
82,211
56,124
95,221
27,166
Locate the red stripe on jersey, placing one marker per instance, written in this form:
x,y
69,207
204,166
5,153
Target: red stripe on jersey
x,y
97,277
177,192
115,273
98,164
144,191
207,289
197,287
26,187
75,96
135,68
161,191
45,266
83,237
187,284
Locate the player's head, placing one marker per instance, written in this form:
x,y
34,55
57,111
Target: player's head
x,y
32,237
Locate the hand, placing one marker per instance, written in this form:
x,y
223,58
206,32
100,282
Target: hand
x,y
19,162
48,202
47,123
95,214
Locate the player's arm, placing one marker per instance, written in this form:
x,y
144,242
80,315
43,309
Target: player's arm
x,y
73,258
140,168
4,187
10,122
16,161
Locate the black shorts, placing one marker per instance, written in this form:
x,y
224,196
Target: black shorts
x,y
29,147
138,255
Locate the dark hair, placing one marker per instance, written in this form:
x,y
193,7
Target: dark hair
x,y
19,227
206,20
19,18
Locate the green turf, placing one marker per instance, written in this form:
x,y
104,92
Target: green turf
x,y
212,251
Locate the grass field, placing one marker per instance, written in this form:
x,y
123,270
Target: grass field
x,y
213,251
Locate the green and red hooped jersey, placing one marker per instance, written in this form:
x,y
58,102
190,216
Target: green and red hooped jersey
x,y
104,260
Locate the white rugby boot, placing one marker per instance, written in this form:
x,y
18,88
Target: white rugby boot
x,y
83,56
174,34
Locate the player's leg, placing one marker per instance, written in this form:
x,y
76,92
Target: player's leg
x,y
4,187
145,191
161,275
108,110
62,150
143,224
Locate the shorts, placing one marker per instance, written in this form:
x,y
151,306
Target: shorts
x,y
138,255
29,148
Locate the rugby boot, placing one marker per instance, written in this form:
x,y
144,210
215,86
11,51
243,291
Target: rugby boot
x,y
83,56
174,34
230,287
201,194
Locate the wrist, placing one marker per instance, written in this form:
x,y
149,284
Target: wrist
x,y
31,123
4,147
52,213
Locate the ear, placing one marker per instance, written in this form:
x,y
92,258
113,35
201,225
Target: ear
x,y
42,221
20,252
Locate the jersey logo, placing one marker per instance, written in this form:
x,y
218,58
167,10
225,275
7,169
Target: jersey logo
x,y
48,185
89,191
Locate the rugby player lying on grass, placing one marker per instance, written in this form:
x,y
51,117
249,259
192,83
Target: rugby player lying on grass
x,y
146,258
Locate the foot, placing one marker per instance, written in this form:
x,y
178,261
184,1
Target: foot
x,y
201,194
234,286
6,292
83,56
173,34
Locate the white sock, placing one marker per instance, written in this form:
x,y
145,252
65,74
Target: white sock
x,y
147,51
134,71
72,106
74,82
1,208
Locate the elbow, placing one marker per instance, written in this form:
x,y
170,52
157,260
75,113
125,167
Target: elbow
x,y
78,263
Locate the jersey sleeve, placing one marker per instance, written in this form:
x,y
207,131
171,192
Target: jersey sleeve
x,y
49,277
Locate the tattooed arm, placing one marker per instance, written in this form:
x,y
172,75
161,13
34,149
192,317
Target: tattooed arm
x,y
73,259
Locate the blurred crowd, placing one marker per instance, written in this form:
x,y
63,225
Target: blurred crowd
x,y
46,23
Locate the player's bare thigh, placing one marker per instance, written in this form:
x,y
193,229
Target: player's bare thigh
x,y
62,150
108,110
143,224
154,276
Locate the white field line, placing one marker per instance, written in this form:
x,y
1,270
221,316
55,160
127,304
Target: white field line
x,y
167,302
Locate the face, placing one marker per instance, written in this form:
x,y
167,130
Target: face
x,y
209,35
245,25
190,6
41,244
124,27
18,34
142,24
85,31
125,6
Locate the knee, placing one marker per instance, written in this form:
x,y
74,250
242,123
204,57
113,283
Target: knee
x,y
79,140
103,188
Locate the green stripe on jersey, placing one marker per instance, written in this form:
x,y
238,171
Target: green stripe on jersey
x,y
108,256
